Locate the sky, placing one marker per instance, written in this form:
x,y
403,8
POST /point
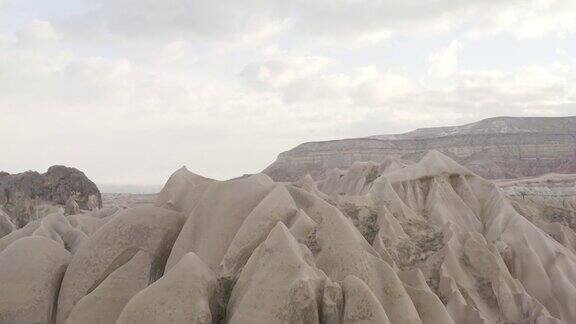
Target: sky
x,y
128,91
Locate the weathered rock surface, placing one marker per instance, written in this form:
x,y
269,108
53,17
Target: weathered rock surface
x,y
6,225
217,216
293,283
549,202
105,303
22,193
31,270
395,242
182,190
150,229
361,306
181,296
495,148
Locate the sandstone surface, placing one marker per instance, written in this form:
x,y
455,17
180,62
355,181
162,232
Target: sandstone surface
x,y
397,242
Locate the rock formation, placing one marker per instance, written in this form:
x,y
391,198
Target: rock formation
x,y
394,242
105,303
549,202
72,207
25,196
181,296
6,225
495,148
151,229
31,270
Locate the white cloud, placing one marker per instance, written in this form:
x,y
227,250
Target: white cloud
x,y
322,22
444,63
310,79
527,19
131,89
38,31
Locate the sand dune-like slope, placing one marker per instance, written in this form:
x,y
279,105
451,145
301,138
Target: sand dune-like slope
x,y
393,242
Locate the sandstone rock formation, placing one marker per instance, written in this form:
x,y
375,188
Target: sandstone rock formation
x,y
72,207
495,148
6,225
549,202
105,303
181,296
395,242
31,270
24,195
150,229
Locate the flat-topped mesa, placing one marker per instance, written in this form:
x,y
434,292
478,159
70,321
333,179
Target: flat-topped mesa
x,y
496,125
495,148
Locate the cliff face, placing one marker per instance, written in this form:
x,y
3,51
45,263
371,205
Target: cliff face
x,y
496,148
20,193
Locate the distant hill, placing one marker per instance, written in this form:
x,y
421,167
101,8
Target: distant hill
x,y
495,148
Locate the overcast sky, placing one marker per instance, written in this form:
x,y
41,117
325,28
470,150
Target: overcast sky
x,y
130,90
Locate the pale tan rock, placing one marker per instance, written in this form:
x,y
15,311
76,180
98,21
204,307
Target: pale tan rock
x,y
72,207
277,206
31,270
92,203
345,252
18,234
105,303
151,229
293,284
391,242
213,223
302,226
182,191
88,223
57,227
181,296
332,303
356,181
6,225
360,304
428,305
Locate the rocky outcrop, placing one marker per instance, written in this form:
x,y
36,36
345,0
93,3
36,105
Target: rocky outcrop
x,y
22,193
495,148
549,202
30,274
6,226
105,303
151,229
180,296
392,242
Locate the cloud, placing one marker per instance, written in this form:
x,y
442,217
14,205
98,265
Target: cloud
x,y
527,19
321,22
128,89
444,63
299,79
38,31
474,95
230,23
